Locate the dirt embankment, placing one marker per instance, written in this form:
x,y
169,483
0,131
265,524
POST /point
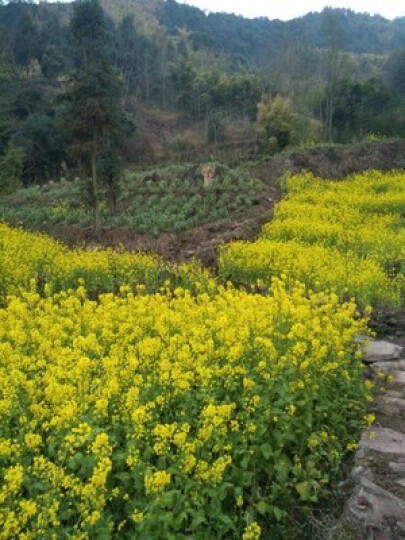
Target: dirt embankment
x,y
202,241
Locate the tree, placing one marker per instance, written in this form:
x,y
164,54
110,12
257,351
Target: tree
x,y
94,95
334,37
23,34
279,125
110,165
11,169
182,77
6,119
358,108
44,146
395,73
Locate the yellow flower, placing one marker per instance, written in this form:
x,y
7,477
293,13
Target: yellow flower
x,y
291,409
252,532
352,446
369,419
14,477
157,482
32,441
137,516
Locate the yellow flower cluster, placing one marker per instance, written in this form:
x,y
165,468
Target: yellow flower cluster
x,y
30,260
142,400
345,236
252,532
152,416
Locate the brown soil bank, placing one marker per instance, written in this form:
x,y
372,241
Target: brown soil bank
x,y
202,241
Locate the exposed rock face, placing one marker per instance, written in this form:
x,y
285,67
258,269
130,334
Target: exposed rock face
x,y
376,508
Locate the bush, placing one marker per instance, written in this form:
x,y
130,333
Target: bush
x,y
279,125
27,258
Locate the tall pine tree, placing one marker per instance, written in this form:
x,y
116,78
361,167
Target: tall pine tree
x,y
94,96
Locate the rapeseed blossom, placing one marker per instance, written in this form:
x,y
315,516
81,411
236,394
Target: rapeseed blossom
x,y
347,237
141,400
120,414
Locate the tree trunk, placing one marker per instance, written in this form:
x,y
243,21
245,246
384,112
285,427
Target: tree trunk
x,y
96,210
111,197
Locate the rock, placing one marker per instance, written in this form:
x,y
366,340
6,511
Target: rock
x,y
392,405
380,351
379,513
395,394
372,508
369,372
399,377
388,366
361,472
397,467
385,440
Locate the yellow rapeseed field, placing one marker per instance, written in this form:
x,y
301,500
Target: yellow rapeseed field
x,y
346,236
25,256
145,401
172,415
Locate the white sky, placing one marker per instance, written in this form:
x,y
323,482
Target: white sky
x,y
288,9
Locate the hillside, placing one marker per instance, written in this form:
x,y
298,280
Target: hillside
x,y
351,31
245,38
192,87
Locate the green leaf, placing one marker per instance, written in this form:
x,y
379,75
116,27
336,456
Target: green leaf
x,y
304,489
263,508
266,450
278,513
124,477
198,520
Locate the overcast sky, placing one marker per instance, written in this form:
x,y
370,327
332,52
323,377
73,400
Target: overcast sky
x,y
288,9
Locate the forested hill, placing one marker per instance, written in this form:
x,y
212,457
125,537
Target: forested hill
x,y
238,36
189,80
350,31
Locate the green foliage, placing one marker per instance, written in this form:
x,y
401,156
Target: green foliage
x,y
94,112
174,202
202,91
172,57
11,169
6,119
44,145
279,125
